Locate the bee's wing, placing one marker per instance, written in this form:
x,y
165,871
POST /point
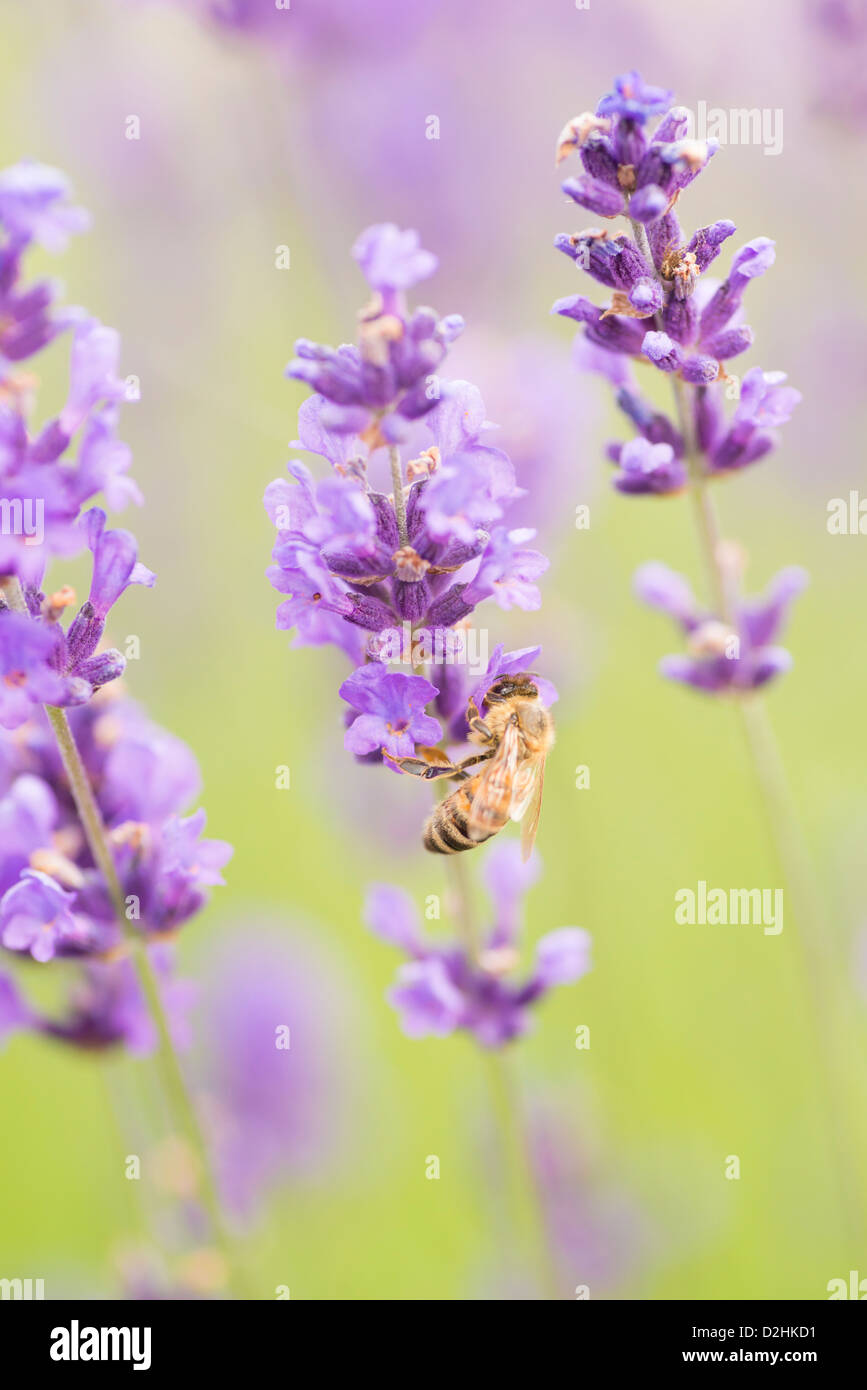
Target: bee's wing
x,y
492,802
533,810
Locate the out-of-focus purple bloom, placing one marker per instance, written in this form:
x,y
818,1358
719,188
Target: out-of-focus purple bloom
x,y
53,898
34,205
36,916
764,404
14,1013
507,571
468,493
107,1009
441,989
42,663
391,711
28,814
723,657
391,259
26,673
634,99
646,467
169,868
317,31
598,1233
43,490
143,778
274,1017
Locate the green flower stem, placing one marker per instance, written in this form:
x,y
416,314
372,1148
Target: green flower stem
x,y
520,1182
787,839
399,499
167,1058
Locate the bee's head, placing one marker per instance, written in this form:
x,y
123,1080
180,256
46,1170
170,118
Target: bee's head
x,y
509,687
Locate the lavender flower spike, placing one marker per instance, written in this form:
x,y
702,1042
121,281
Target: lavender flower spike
x,y
389,555
666,310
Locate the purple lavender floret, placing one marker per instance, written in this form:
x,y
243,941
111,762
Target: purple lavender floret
x,y
375,389
36,916
34,206
389,711
43,664
442,989
648,468
105,1009
33,209
626,171
41,487
764,404
635,100
724,657
54,901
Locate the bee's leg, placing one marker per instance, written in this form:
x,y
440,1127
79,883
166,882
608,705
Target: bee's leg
x,y
476,722
473,759
417,767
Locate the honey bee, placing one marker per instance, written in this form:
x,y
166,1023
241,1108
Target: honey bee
x,y
516,736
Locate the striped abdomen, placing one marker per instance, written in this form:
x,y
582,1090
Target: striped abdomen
x,y
446,830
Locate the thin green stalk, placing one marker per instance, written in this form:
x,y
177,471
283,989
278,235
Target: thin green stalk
x,y
526,1197
399,499
783,824
520,1178
167,1058
817,970
784,830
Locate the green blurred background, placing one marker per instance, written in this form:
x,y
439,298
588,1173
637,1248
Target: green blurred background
x,y
702,1041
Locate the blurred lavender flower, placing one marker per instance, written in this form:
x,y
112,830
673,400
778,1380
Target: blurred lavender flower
x,y
41,663
442,989
273,1010
41,488
313,27
840,26
597,1232
55,899
105,1008
723,658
